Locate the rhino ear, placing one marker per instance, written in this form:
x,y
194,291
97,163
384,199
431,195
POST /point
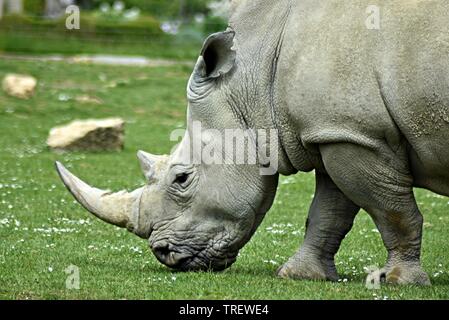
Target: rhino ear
x,y
218,55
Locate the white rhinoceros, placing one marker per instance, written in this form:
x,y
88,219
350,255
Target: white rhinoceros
x,y
366,108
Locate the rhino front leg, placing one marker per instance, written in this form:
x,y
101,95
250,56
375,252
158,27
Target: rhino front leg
x,y
331,216
381,183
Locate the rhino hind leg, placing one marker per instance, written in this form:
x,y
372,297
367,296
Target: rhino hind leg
x,y
381,183
331,216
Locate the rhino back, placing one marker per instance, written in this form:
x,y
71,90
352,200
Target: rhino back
x,y
342,82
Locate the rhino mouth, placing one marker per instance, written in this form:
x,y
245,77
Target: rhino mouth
x,y
198,264
188,261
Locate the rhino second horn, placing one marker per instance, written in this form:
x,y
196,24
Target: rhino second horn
x,y
114,208
149,162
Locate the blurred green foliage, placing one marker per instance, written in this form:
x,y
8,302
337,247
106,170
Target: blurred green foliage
x,y
214,24
34,7
160,8
164,8
92,26
113,32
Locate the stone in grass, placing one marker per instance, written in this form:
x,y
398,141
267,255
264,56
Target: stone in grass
x,y
88,135
19,85
88,99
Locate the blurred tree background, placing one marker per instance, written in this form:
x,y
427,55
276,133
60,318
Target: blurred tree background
x,y
155,28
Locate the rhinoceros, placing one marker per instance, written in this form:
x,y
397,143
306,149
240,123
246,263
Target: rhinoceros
x,y
366,108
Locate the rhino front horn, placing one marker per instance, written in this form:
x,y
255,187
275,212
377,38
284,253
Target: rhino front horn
x,y
115,208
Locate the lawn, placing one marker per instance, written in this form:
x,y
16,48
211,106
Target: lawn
x,y
43,231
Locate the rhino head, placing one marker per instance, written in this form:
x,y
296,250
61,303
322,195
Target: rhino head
x,y
195,214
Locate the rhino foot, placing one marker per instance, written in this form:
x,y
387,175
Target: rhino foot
x,y
405,274
307,267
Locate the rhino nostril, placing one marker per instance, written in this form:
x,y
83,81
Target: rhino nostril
x,y
161,252
168,257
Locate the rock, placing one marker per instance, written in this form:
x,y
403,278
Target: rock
x,y
88,135
427,225
19,86
88,99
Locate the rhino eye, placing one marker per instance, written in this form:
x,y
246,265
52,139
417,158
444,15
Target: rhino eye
x,y
182,178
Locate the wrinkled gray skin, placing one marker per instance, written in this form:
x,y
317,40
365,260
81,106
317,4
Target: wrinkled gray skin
x,y
368,110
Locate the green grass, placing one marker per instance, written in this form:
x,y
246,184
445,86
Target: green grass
x,y
42,230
